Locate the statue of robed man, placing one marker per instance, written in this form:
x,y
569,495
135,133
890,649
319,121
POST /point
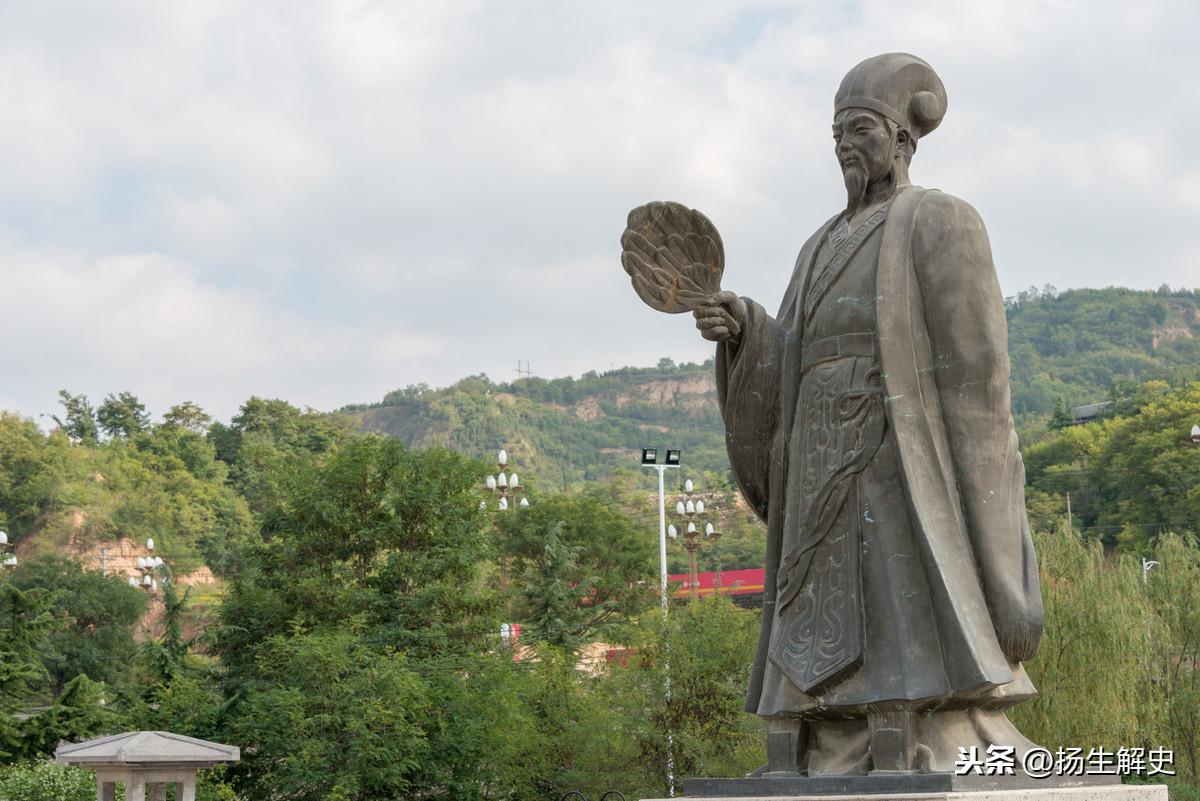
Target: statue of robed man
x,y
868,424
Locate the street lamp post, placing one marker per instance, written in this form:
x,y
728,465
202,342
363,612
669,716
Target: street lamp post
x,y
510,489
9,559
690,509
1146,565
650,459
712,535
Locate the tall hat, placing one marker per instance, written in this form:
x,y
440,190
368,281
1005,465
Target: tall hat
x,y
899,86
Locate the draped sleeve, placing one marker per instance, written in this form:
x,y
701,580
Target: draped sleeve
x,y
748,390
968,335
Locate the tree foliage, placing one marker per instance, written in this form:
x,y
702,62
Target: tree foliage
x,y
47,781
1131,476
377,537
122,415
707,647
328,718
94,618
578,564
79,418
356,652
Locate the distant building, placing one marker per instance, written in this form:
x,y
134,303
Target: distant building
x,y
1089,412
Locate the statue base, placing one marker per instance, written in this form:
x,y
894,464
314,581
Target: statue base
x,y
921,787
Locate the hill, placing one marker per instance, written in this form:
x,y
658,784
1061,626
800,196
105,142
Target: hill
x,y
565,430
1075,346
1083,344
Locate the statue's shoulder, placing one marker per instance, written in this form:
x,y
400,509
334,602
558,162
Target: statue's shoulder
x,y
946,223
949,242
939,214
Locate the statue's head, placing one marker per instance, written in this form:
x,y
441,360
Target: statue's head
x,y
884,105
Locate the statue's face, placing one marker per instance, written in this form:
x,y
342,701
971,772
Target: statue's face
x,y
863,144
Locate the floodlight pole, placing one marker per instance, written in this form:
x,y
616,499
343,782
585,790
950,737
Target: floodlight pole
x,y
661,469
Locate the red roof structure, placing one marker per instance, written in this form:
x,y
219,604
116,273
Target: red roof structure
x,y
732,582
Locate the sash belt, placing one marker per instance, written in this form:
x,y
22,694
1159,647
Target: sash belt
x,y
836,347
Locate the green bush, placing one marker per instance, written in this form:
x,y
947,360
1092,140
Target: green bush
x,y
46,781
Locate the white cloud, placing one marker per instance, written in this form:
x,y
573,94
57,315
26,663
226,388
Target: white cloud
x,y
146,323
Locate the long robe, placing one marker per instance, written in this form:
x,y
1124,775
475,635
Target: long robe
x,y
940,341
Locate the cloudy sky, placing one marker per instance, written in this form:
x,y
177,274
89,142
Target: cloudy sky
x,y
322,201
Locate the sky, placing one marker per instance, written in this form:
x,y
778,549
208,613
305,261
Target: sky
x,y
208,200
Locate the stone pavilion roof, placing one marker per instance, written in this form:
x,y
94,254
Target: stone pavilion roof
x,y
146,748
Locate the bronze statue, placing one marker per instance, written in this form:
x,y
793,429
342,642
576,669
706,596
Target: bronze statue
x,y
869,425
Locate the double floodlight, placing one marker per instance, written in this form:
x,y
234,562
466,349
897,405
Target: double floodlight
x,y
650,457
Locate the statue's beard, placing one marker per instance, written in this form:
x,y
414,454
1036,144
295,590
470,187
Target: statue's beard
x,y
855,178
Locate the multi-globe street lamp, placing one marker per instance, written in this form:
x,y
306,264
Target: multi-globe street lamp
x,y
508,486
8,558
147,565
690,510
511,492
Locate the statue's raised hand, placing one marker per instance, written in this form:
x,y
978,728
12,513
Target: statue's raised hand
x,y
673,255
721,317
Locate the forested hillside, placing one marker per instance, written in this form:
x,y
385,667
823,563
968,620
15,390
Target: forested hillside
x,y
1069,348
1081,344
327,552
566,429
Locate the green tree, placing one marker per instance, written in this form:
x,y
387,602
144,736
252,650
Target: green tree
x,y
1093,678
1063,416
268,440
167,656
78,713
1131,476
1174,590
24,621
708,644
122,415
95,619
1147,474
27,473
329,719
80,418
376,534
554,596
570,736
187,415
582,564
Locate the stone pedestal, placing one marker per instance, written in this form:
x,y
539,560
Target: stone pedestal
x,y
1095,792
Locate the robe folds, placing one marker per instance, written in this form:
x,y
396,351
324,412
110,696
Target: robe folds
x,y
940,343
